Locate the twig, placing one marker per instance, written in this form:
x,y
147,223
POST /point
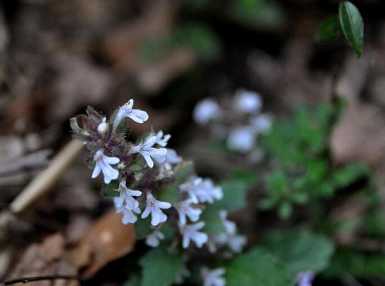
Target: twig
x,y
42,183
40,278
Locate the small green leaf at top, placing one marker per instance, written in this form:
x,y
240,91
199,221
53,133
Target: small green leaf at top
x,y
352,26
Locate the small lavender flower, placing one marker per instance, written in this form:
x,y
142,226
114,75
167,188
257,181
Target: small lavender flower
x,y
305,278
103,164
149,152
261,123
213,277
191,233
241,139
127,111
185,210
172,157
248,101
154,207
206,110
201,191
229,237
127,197
154,238
162,139
128,216
102,127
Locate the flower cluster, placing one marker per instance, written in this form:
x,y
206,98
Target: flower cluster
x,y
141,176
243,121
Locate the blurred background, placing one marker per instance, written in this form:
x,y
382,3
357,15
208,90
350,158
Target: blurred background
x,y
56,57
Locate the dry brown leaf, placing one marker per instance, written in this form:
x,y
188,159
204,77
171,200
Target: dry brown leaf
x,y
359,135
107,240
45,258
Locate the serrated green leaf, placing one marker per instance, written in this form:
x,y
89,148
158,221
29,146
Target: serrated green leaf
x,y
328,29
257,267
160,267
352,26
300,250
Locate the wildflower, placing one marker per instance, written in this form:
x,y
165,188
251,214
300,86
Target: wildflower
x,y
205,111
185,210
127,196
229,237
154,207
102,127
261,123
128,215
162,139
192,233
305,278
213,277
103,164
154,238
126,110
202,191
172,157
248,101
149,152
241,139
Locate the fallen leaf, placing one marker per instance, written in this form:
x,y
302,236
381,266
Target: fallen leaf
x,y
107,240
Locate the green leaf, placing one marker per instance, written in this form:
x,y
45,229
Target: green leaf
x,y
350,261
300,250
234,195
257,267
213,222
160,267
352,26
328,29
143,228
347,175
110,190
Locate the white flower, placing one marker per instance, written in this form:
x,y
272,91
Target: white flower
x,y
305,278
103,164
241,139
162,139
154,238
128,215
149,152
229,237
154,207
191,233
261,123
201,191
126,204
205,111
102,127
248,101
126,110
185,210
172,157
213,277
